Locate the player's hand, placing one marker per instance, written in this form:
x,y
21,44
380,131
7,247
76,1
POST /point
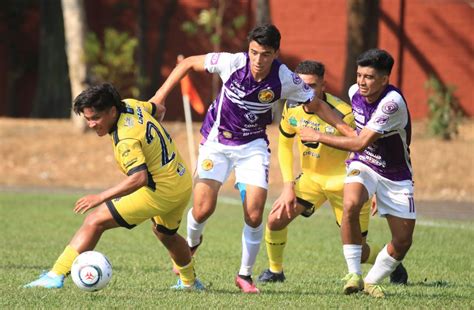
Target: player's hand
x,y
87,202
373,207
309,135
285,203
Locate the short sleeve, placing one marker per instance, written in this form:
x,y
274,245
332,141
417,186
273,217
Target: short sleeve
x,y
391,114
224,63
130,156
293,87
286,127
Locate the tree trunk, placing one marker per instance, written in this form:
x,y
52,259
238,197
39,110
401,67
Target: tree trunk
x,y
142,48
262,12
53,93
74,31
362,34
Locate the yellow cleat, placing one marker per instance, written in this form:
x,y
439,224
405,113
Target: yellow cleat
x,y
354,283
374,290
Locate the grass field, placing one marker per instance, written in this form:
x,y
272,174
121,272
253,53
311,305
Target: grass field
x,y
36,227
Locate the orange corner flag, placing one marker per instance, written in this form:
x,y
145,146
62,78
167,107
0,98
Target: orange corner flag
x,y
188,90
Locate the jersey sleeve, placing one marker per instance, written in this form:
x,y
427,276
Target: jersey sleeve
x,y
352,90
223,63
130,156
285,123
148,107
285,144
391,114
293,87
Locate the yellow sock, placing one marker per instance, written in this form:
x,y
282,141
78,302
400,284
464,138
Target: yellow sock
x,y
374,251
186,273
64,262
276,242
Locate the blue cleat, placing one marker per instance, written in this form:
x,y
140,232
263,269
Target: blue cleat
x,y
197,286
268,276
47,280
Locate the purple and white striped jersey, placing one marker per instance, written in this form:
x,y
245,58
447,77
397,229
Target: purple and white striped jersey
x,y
389,155
243,107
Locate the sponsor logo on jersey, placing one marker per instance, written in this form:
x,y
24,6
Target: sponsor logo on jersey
x,y
266,95
293,121
227,134
251,117
330,130
124,150
215,58
140,115
296,79
353,172
389,107
128,122
382,119
207,164
181,169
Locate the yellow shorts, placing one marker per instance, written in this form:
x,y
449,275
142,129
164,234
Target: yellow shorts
x,y
313,190
165,211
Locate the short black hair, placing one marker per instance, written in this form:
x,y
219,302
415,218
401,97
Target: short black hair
x,y
310,67
378,59
100,98
267,35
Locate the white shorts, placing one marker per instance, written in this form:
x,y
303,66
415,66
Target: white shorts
x,y
393,197
250,161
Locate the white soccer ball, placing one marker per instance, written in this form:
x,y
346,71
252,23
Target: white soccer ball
x,y
91,271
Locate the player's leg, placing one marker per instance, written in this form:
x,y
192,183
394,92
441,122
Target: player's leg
x,y
251,168
359,185
395,202
85,239
213,168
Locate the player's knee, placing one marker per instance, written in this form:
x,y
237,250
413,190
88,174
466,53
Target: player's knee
x,y
351,209
253,219
275,224
401,246
93,222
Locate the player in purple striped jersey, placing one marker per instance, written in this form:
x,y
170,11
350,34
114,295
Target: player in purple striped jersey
x,y
234,133
380,164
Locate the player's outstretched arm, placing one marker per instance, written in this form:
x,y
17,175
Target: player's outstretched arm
x,y
195,63
356,143
329,116
127,186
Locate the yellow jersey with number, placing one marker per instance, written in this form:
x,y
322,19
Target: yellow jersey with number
x,y
141,143
315,158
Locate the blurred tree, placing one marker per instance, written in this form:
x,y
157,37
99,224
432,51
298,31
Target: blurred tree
x,y
211,21
74,30
142,80
262,12
113,61
362,34
53,93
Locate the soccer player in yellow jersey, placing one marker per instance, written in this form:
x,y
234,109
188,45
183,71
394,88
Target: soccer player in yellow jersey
x,y
322,177
158,185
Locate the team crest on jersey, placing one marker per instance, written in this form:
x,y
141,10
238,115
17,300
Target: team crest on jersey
x,y
227,134
382,119
296,78
251,117
330,130
181,169
389,107
353,172
266,95
207,164
293,121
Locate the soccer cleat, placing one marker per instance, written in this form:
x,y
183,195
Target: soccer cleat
x,y
47,281
399,275
354,283
268,276
193,250
196,286
374,290
246,285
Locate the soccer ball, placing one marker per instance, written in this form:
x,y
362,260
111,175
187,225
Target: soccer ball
x,y
91,271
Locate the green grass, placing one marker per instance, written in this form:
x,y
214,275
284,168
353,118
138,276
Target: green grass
x,y
36,227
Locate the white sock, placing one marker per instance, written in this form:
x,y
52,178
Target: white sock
x,y
352,254
194,230
251,239
383,267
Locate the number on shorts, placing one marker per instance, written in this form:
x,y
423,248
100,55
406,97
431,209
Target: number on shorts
x,y
165,158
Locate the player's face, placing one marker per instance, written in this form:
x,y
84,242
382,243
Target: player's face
x,y
102,121
371,83
261,59
315,82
